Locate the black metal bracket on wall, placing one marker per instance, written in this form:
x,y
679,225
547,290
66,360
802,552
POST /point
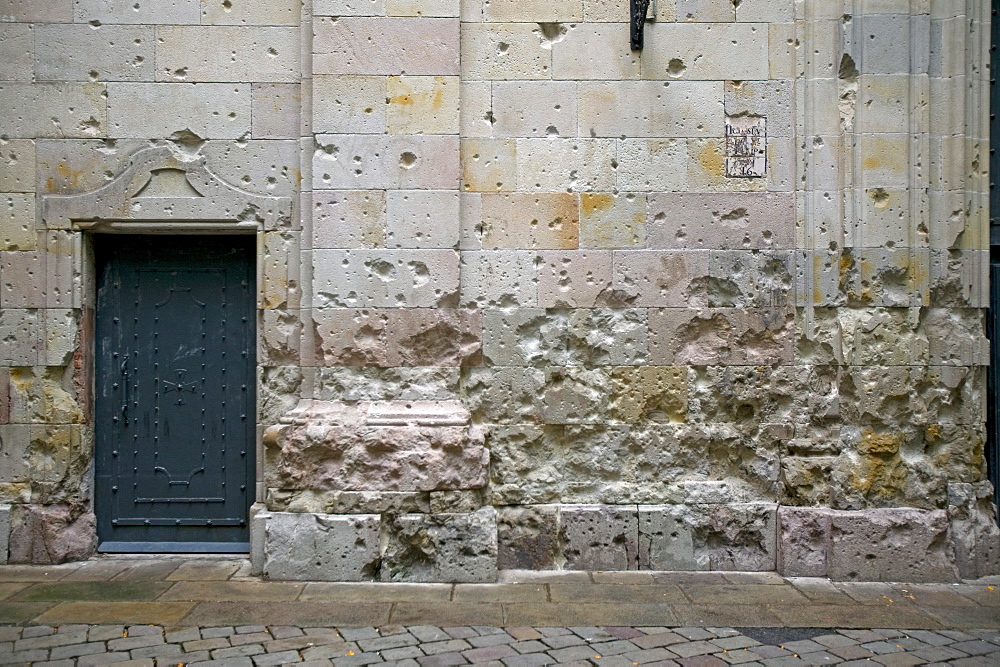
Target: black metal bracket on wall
x,y
638,22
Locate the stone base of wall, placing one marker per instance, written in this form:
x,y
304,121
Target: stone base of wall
x,y
445,547
893,544
4,533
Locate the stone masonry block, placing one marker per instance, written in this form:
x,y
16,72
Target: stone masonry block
x,y
349,104
320,547
561,165
705,11
534,11
379,446
531,221
803,541
29,11
423,104
227,53
652,108
17,45
573,278
413,46
17,165
489,165
4,533
504,395
504,51
592,51
476,113
61,110
349,7
771,99
504,278
351,337
739,537
527,537
251,12
649,394
47,534
280,337
209,110
17,221
974,532
79,52
765,11
737,278
349,219
893,544
22,279
147,13
375,162
599,537
711,51
387,384
15,440
524,337
721,221
422,219
722,336
607,336
612,220
262,167
646,165
459,548
576,395
649,278
276,110
534,108
19,329
438,8
385,278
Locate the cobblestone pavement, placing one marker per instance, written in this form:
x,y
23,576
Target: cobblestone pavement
x,y
155,645
169,611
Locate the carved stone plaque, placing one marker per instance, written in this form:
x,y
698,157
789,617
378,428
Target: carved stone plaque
x,y
746,146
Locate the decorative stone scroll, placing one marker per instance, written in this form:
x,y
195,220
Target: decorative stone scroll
x,y
377,446
163,189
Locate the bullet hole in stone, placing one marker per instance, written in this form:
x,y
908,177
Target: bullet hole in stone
x,y
180,73
407,160
94,75
136,6
272,52
227,5
818,142
502,47
880,197
95,24
676,67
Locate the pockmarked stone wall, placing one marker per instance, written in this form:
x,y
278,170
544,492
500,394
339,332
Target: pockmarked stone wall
x,y
542,301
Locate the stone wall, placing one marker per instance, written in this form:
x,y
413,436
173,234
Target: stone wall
x,y
543,301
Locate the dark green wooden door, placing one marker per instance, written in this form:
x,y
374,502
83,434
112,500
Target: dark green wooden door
x,y
174,365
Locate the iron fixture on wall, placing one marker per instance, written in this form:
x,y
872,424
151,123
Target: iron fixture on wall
x,y
638,22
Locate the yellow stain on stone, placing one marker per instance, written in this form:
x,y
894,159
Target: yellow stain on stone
x,y
879,443
591,203
649,394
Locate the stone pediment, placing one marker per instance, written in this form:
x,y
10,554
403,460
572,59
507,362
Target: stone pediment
x,y
161,189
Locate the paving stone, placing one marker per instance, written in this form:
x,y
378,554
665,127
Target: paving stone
x,y
129,643
156,651
613,648
428,633
694,634
75,650
276,658
402,653
530,646
880,648
180,635
851,652
739,657
562,641
37,631
354,634
285,631
382,643
477,655
803,646
221,631
572,653
449,646
528,659
651,655
50,641
491,640
443,659
733,643
250,638
207,644
694,648
33,655
237,651
102,659
658,639
330,651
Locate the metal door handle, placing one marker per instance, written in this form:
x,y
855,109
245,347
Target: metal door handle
x,y
125,392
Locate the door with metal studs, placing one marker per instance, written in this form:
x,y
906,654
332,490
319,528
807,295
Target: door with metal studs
x,y
174,367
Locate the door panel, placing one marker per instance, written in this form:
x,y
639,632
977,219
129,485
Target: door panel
x,y
175,393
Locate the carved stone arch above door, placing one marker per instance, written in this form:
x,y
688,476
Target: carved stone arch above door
x,y
162,190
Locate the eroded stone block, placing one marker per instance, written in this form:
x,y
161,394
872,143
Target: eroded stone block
x,y
721,221
649,393
378,446
504,395
803,541
896,544
607,337
385,278
721,336
574,279
385,162
387,384
4,533
738,537
459,548
527,537
413,46
531,221
347,502
47,534
599,537
974,532
320,547
44,395
498,279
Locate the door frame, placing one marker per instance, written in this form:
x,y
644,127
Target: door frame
x,y
163,191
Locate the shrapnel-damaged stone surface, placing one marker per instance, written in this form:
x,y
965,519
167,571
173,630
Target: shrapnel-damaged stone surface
x,y
637,303
378,446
